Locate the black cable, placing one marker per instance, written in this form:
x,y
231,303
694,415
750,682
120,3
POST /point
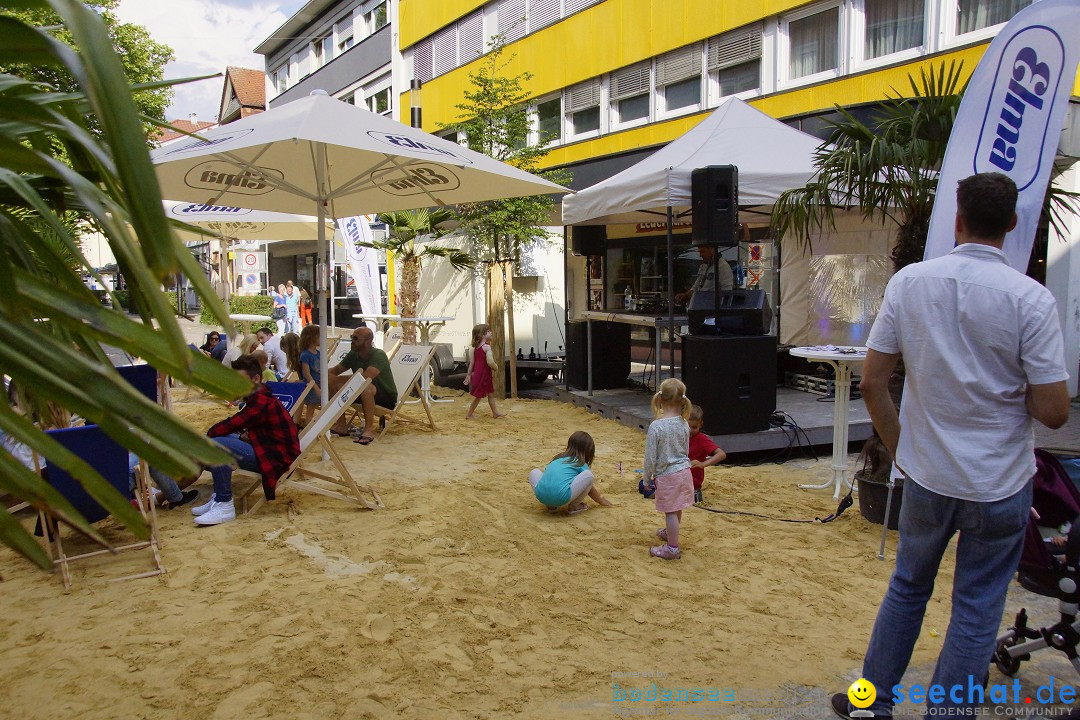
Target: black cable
x,y
845,503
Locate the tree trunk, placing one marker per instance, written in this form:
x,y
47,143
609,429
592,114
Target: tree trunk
x,y
496,302
508,280
410,297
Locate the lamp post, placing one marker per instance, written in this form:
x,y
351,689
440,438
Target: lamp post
x,y
414,103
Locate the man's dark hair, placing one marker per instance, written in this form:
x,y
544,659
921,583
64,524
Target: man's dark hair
x,y
268,330
247,364
987,203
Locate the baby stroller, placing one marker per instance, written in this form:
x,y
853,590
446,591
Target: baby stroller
x,y
1048,570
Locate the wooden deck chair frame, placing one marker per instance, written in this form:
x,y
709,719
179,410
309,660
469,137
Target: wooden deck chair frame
x,y
314,440
417,357
54,544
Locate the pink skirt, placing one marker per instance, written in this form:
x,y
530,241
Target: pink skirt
x,y
674,492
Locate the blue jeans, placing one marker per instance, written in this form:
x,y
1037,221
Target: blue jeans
x,y
987,556
166,484
222,474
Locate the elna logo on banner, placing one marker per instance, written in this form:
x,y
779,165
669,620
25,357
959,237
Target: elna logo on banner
x,y
223,211
1017,112
1016,97
217,175
415,180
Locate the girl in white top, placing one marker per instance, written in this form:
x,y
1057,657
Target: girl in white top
x,y
667,465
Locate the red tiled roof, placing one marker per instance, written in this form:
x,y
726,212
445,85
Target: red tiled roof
x,y
248,85
185,125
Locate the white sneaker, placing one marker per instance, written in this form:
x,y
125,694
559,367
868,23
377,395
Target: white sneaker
x,y
219,512
198,510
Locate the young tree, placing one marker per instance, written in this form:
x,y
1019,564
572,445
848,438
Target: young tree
x,y
142,58
406,227
495,122
53,165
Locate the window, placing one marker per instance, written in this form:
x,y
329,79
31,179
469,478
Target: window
x,y
471,37
350,98
281,79
892,26
444,51
735,57
543,13
344,31
376,18
813,43
511,19
323,51
631,93
678,78
974,15
422,59
379,102
549,120
583,107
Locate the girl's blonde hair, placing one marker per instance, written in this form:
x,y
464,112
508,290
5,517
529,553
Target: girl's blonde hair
x,y
478,333
580,447
672,393
248,344
290,345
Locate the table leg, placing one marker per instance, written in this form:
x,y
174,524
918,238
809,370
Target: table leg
x,y
657,363
588,351
842,388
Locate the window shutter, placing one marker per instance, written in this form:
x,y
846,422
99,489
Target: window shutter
x,y
543,12
512,19
735,47
678,65
471,37
422,60
572,6
581,96
444,55
630,81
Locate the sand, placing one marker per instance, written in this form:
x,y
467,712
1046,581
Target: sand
x,y
463,598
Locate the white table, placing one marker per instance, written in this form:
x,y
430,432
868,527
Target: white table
x,y
248,319
841,359
656,322
424,324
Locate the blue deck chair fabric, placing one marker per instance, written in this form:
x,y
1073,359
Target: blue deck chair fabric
x,y
289,393
143,378
103,454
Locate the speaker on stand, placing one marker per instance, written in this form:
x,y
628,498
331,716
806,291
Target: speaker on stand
x,y
733,379
588,239
714,198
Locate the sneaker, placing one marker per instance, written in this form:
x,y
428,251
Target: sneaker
x,y
200,509
186,496
842,708
666,552
219,512
697,496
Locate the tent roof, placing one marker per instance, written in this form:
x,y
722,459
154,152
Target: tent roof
x,y
772,157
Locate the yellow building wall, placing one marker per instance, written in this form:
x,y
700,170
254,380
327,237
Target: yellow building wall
x,y
419,18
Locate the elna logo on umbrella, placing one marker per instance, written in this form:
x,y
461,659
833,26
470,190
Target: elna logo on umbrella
x,y
216,175
203,210
407,143
203,143
415,180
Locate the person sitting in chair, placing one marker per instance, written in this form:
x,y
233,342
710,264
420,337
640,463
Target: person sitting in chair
x,y
263,438
375,366
704,279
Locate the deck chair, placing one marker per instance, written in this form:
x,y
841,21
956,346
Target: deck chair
x,y
407,363
313,442
110,460
147,380
291,395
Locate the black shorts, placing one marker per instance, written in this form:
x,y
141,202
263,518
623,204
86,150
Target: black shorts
x,y
385,399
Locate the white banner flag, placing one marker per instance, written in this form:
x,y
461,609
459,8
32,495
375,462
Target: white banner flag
x,y
363,264
1010,120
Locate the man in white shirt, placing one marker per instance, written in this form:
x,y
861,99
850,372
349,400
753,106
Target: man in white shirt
x,y
984,355
272,345
704,278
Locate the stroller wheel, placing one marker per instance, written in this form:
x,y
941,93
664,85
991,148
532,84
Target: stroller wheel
x,y
1005,662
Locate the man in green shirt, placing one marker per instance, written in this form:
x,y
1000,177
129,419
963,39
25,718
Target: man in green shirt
x,y
375,366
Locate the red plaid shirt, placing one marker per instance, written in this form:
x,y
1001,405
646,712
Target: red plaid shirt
x,y
271,432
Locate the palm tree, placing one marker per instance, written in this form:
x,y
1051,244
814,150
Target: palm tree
x,y
406,227
57,176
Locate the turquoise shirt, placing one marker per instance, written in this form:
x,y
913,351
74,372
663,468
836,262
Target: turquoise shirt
x,y
553,489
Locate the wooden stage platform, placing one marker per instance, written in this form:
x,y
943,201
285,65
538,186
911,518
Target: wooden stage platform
x,y
813,414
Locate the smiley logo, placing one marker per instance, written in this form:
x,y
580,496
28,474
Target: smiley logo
x,y
862,693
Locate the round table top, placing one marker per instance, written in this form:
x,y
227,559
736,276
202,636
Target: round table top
x,y
839,353
366,316
249,318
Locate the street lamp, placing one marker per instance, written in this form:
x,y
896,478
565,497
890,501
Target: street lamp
x,y
414,103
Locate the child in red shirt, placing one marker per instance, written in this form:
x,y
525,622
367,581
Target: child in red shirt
x,y
703,451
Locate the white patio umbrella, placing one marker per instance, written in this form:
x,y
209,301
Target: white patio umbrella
x,y
341,160
227,223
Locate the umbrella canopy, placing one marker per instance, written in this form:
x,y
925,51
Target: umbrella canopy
x,y
340,160
233,223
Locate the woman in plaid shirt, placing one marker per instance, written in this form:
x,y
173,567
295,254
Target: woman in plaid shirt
x,y
263,438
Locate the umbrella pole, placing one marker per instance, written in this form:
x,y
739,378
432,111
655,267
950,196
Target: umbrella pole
x,y
324,275
670,299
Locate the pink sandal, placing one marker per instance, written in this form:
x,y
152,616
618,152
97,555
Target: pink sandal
x,y
665,552
662,534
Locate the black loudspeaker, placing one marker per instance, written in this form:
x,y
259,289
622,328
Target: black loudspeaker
x,y
610,355
714,198
588,239
739,312
733,379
